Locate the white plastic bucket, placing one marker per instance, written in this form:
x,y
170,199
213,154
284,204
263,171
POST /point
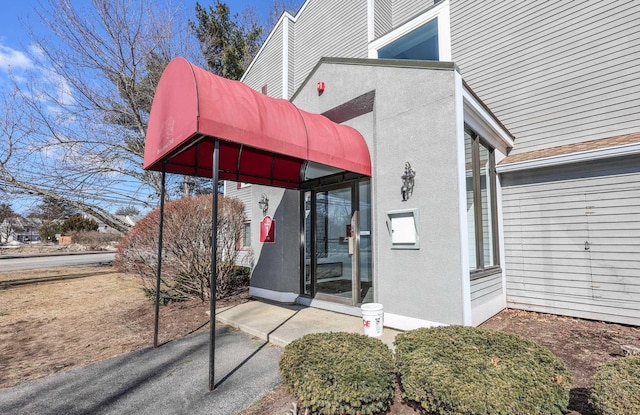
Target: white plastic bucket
x,y
372,319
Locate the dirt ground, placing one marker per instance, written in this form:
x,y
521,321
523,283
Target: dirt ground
x,y
53,326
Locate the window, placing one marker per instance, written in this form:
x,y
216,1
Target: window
x,y
425,37
420,44
481,203
246,236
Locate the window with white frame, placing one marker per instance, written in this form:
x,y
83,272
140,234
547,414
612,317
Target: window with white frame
x,y
426,37
246,236
419,44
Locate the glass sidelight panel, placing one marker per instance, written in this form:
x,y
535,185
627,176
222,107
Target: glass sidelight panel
x,y
307,282
366,271
485,200
334,246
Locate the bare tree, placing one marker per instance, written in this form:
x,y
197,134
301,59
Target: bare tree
x,y
186,260
73,128
278,7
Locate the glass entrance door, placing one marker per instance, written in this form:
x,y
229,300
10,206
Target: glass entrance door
x,y
334,256
334,243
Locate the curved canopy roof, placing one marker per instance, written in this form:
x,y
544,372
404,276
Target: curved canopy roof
x,y
263,140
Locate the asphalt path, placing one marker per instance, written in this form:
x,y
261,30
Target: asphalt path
x,y
172,379
19,263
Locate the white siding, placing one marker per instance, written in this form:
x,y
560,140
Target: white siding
x,y
269,71
546,227
553,72
244,194
328,28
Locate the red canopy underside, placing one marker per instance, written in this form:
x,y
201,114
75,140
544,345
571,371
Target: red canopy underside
x,y
263,140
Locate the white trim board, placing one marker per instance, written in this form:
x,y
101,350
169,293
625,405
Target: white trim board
x,y
398,322
279,296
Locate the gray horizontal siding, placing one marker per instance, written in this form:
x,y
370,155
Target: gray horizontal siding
x,y
383,18
554,73
487,297
267,70
545,230
291,68
483,289
404,10
328,28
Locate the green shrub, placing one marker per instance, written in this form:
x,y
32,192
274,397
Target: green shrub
x,y
467,371
339,373
616,387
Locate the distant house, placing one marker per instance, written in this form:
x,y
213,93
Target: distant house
x,y
130,220
19,229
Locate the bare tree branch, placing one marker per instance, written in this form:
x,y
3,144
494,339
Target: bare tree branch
x,y
73,127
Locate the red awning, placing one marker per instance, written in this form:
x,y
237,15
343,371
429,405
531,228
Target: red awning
x,y
263,140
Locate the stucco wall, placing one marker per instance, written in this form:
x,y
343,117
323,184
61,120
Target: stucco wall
x,y
414,120
277,265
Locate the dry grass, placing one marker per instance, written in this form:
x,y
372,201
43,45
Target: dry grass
x,y
48,327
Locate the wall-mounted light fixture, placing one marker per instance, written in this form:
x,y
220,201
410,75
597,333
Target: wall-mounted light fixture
x,y
407,181
264,204
321,87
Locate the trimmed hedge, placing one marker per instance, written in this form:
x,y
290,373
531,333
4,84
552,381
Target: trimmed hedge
x,y
339,373
616,387
458,370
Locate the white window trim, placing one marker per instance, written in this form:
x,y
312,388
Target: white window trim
x,y
440,12
484,124
285,59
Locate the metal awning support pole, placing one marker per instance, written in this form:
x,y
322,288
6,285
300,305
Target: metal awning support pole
x,y
214,263
159,271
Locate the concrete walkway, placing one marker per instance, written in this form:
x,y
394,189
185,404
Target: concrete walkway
x,y
173,378
281,324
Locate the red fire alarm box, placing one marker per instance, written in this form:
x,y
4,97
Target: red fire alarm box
x,y
267,230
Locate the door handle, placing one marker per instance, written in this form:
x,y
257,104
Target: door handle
x,y
587,245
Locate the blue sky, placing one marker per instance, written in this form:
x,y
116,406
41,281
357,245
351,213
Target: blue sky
x,y
14,41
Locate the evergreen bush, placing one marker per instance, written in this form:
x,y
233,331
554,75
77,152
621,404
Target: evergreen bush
x,y
469,371
339,373
616,387
78,223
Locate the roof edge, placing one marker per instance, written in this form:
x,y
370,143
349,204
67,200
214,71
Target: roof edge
x,y
395,63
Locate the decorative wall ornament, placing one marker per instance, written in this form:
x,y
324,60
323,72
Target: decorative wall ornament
x,y
407,181
264,204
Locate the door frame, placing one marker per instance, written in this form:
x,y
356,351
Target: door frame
x,y
313,293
